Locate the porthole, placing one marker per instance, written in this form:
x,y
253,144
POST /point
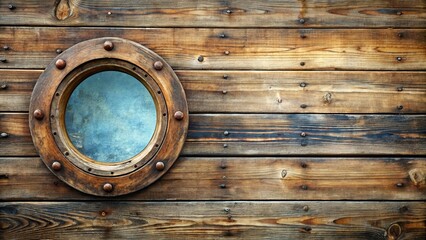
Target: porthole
x,y
117,116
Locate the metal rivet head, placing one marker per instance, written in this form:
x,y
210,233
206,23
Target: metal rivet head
x,y
226,133
200,58
303,165
225,76
56,166
400,107
304,187
305,208
3,60
109,13
303,134
103,213
60,63
399,13
11,6
108,187
58,51
159,166
226,52
225,145
302,20
3,86
38,114
302,64
400,184
222,185
399,59
4,135
158,65
227,210
283,173
224,92
222,35
108,45
178,115
5,47
302,84
399,89
303,106
228,11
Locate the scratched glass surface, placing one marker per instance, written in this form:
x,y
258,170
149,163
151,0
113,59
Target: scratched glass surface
x,y
110,116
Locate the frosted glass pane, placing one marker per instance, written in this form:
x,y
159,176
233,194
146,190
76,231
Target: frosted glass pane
x,y
110,116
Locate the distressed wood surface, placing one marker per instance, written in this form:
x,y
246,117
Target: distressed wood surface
x,y
271,134
206,13
270,92
213,220
27,179
248,49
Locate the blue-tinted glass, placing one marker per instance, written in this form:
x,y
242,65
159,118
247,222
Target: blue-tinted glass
x,y
110,116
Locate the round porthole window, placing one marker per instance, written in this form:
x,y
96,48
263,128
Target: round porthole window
x,y
109,116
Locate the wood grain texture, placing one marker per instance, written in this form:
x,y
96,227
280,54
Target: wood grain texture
x,y
228,178
249,49
270,91
205,13
213,220
271,135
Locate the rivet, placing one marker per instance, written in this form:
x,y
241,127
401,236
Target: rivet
x,y
283,173
399,89
158,65
224,92
226,133
400,107
279,100
399,59
225,145
109,13
178,115
303,106
228,11
307,229
304,187
303,165
3,60
103,214
159,166
399,13
60,63
225,76
4,135
5,47
302,64
227,210
222,185
226,52
108,187
108,45
56,166
11,7
400,184
302,84
303,134
38,114
302,20
3,86
222,35
58,51
305,208
200,58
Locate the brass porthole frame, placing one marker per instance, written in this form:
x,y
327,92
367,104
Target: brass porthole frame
x,y
49,100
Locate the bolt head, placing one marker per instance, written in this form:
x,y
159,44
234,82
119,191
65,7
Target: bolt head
x,y
302,64
178,115
158,65
4,135
200,58
56,166
303,134
399,59
399,89
5,47
302,84
108,45
302,20
225,76
400,107
108,187
11,6
159,166
38,114
3,86
58,51
226,133
60,64
226,52
305,208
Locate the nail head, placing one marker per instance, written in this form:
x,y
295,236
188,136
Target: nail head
x,y
4,135
60,64
200,58
56,166
108,45
108,187
178,115
158,65
159,166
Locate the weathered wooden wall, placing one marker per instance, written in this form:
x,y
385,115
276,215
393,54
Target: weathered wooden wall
x,y
307,120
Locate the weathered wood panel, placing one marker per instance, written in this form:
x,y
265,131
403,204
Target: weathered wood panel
x,y
206,13
27,179
251,49
270,92
213,220
267,134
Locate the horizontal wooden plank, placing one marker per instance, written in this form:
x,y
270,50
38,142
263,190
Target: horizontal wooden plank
x,y
213,220
275,49
271,134
270,92
27,179
205,13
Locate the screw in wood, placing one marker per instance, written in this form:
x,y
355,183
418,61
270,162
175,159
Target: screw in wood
x,y
399,59
400,184
302,21
159,166
38,114
3,60
226,52
3,86
226,133
304,187
11,7
399,13
222,35
5,47
4,135
302,64
305,208
400,107
56,166
108,187
158,65
108,45
303,134
60,64
222,185
302,84
228,11
225,145
399,89
283,173
200,58
227,210
225,76
58,51
224,92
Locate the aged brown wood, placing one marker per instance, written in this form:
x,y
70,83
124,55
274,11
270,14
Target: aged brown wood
x,y
206,13
213,220
244,179
270,91
270,134
249,49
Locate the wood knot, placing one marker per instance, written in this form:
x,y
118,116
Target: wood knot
x,y
62,10
417,176
327,98
394,231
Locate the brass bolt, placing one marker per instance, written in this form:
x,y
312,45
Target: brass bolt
x,y
60,64
4,135
108,187
108,45
159,166
38,114
178,115
200,58
158,65
56,166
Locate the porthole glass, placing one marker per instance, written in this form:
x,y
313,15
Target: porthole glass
x,y
110,117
